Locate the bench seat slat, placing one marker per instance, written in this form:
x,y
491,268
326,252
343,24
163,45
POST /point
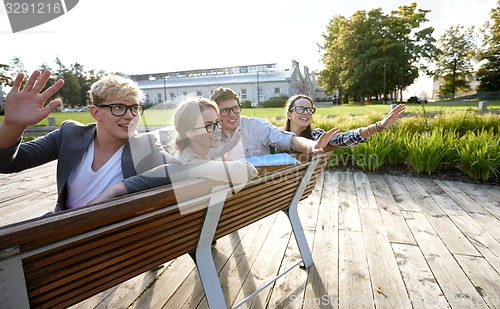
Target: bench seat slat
x,y
76,254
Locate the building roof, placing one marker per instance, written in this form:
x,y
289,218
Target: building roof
x,y
207,80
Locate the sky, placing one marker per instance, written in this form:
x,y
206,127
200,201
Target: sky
x,y
149,36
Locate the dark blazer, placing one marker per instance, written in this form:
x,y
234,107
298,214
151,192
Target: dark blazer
x,y
144,162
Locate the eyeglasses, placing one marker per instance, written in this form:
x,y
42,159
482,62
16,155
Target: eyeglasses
x,y
211,126
226,111
302,109
119,109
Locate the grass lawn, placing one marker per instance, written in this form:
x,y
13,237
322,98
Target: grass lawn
x,y
162,117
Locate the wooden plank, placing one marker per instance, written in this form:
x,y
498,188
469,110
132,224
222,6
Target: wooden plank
x,y
322,278
420,283
449,233
480,238
481,215
454,190
395,225
476,192
401,195
348,206
387,284
288,291
355,290
364,192
267,263
158,286
484,278
234,259
492,191
421,197
124,294
450,277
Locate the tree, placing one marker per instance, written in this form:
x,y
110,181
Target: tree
x,y
5,78
489,72
357,51
455,59
71,91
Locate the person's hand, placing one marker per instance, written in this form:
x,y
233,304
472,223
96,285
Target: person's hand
x,y
232,142
392,116
324,139
110,192
27,106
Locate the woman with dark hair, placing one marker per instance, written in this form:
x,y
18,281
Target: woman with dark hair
x,y
299,110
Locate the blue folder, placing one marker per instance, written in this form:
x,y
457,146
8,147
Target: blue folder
x,y
273,159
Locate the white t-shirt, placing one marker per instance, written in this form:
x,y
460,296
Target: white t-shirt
x,y
85,184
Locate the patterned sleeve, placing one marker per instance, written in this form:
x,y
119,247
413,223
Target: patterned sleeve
x,y
316,133
348,139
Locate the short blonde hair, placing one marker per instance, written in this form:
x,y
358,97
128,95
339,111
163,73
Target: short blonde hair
x,y
115,87
184,115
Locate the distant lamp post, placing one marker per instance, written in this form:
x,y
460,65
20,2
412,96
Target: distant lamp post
x,y
385,73
258,94
164,90
258,89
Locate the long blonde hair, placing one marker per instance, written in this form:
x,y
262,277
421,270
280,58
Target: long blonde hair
x,y
184,115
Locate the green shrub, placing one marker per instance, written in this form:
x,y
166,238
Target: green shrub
x,y
396,154
275,102
246,103
426,151
371,155
339,157
479,154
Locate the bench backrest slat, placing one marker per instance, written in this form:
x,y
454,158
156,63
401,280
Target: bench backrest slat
x,y
73,255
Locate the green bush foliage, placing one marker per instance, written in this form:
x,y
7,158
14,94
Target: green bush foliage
x,y
464,141
246,103
371,155
275,102
479,153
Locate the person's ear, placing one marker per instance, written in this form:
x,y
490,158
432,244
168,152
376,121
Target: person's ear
x,y
94,112
190,135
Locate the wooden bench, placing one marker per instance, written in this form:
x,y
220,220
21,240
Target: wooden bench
x,y
62,259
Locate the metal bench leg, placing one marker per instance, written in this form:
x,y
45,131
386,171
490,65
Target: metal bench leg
x,y
13,291
293,215
203,255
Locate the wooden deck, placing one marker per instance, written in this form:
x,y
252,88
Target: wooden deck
x,y
377,242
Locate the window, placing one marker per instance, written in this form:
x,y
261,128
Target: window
x,y
277,90
172,96
147,98
243,94
158,98
185,94
198,93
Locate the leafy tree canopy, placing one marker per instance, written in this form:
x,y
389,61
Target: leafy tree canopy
x,y
359,52
489,72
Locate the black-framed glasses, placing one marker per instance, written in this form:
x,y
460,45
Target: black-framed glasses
x,y
302,109
211,126
119,109
226,111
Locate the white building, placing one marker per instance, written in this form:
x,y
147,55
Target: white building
x,y
268,80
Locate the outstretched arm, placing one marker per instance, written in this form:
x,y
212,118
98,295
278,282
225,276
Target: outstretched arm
x,y
385,123
27,106
304,145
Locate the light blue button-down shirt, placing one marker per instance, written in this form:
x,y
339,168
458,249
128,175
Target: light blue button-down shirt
x,y
258,135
